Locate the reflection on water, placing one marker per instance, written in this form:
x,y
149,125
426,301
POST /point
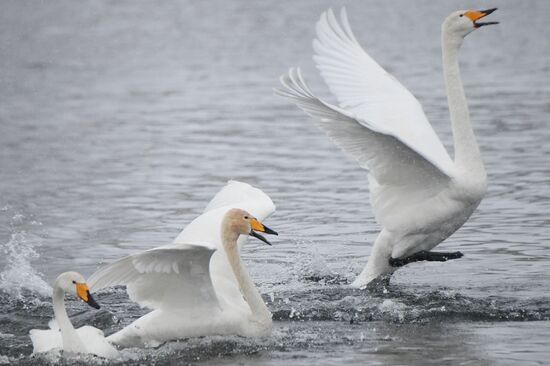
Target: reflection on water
x,y
120,121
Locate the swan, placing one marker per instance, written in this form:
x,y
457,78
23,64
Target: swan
x,y
419,195
62,334
197,285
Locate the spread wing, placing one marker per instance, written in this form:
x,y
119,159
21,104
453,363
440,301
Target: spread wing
x,y
207,227
378,122
399,175
183,274
366,90
172,276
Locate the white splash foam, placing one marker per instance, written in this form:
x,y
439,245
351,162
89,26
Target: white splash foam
x,y
311,262
396,310
19,274
318,265
4,360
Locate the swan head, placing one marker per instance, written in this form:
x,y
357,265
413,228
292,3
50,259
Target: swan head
x,y
463,22
240,222
74,283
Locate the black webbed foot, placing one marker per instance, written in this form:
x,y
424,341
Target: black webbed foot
x,y
425,255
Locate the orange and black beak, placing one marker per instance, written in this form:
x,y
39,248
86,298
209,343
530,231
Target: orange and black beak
x,y
84,294
258,226
475,15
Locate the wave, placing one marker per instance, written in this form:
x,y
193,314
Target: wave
x,y
299,315
392,304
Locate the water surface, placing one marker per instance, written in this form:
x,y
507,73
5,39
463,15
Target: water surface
x,y
120,120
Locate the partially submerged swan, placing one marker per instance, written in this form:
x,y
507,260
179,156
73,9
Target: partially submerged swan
x,y
197,285
62,334
420,196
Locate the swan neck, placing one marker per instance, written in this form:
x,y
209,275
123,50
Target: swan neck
x,y
71,341
467,155
248,289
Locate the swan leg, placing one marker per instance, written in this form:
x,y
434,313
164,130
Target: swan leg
x,y
425,255
378,261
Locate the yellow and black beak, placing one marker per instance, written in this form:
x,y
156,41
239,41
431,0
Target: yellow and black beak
x,y
84,293
258,226
475,15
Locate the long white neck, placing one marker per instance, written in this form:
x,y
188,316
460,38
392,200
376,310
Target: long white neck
x,y
71,341
467,155
251,294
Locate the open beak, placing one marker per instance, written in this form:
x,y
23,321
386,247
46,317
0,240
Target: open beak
x,y
475,15
258,226
84,293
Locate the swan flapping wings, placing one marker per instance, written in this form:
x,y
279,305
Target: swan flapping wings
x,y
378,122
190,273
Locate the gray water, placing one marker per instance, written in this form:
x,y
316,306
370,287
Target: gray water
x,y
120,120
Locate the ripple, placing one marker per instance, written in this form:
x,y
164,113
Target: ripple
x,y
119,123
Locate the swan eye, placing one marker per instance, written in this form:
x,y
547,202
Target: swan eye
x,y
74,282
246,217
461,15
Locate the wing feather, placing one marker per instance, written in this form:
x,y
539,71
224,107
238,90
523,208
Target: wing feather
x,y
366,90
236,192
174,274
393,165
207,229
164,277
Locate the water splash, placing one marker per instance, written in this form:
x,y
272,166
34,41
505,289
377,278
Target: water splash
x,y
340,303
311,266
19,274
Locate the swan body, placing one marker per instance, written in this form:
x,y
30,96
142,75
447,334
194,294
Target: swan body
x,y
420,196
197,285
62,335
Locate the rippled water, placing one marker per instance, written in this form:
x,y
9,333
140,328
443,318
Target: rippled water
x,y
120,120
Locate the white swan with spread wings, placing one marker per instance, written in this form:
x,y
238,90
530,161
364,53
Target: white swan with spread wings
x,y
420,196
198,285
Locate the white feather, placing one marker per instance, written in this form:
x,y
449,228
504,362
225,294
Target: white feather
x,y
190,277
418,194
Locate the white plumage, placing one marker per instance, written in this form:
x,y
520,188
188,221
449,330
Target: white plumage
x,y
93,341
62,335
419,195
190,283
